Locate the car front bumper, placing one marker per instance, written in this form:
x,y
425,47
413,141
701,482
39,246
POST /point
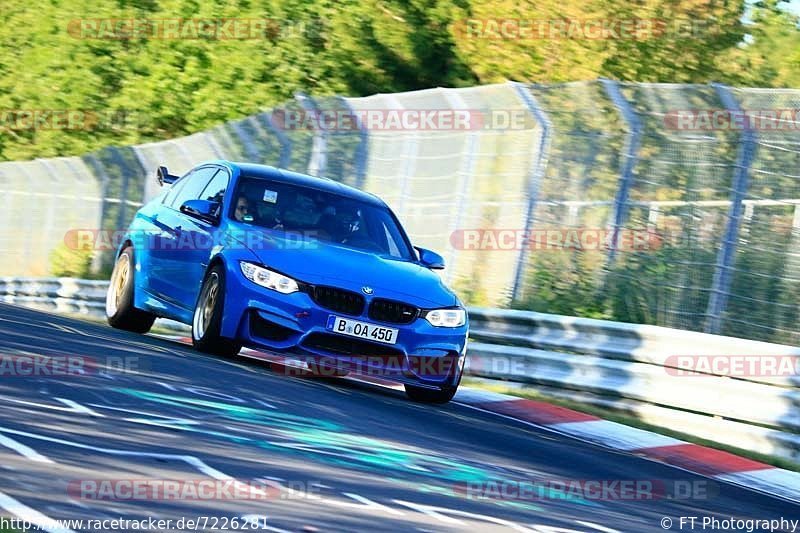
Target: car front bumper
x,y
423,355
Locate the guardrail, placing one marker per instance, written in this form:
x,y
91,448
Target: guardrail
x,y
636,369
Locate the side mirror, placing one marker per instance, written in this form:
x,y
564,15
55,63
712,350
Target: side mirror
x,y
164,177
202,209
430,259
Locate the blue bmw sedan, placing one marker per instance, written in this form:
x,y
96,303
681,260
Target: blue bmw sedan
x,y
256,256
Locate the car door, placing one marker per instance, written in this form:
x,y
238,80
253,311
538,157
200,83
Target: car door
x,y
168,244
197,237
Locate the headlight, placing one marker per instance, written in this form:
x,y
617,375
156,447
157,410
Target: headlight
x,y
446,318
268,278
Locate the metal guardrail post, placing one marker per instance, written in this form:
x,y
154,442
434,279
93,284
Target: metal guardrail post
x,y
122,219
285,156
466,173
140,157
409,154
221,137
318,162
362,152
536,175
630,155
99,171
247,141
726,255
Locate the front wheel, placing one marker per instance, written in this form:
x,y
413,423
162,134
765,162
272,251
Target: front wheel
x,y
207,319
120,312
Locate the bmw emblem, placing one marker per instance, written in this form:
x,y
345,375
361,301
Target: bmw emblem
x,y
366,290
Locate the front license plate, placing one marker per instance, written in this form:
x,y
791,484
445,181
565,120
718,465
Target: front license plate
x,y
362,330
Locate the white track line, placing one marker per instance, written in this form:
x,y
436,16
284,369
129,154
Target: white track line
x,y
374,505
80,408
188,459
597,527
23,450
33,516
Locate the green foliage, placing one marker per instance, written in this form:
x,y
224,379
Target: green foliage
x,y
142,89
642,287
70,263
565,283
771,55
131,91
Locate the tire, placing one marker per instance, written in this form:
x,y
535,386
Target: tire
x,y
422,395
207,316
120,312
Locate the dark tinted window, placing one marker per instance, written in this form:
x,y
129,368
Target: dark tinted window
x,y
319,215
191,190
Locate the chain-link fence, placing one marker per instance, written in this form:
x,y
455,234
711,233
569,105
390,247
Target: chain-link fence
x,y
676,205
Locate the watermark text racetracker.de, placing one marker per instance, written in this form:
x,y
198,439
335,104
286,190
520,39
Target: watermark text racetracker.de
x,y
374,365
589,29
210,29
58,366
256,239
47,120
130,489
733,365
187,523
763,120
555,239
589,489
402,120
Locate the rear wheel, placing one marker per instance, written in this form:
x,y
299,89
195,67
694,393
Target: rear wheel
x,y
207,319
120,312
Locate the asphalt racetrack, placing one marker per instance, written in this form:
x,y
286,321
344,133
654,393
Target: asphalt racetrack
x,y
340,454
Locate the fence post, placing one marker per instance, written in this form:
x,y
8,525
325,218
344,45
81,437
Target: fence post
x,y
409,155
247,141
633,141
362,152
465,174
285,156
319,161
99,171
536,175
720,289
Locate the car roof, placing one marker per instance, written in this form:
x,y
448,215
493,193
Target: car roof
x,y
321,184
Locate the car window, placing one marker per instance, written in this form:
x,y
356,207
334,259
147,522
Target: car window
x,y
322,215
174,189
391,241
216,188
196,182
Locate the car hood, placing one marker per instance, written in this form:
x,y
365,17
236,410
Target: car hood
x,y
322,263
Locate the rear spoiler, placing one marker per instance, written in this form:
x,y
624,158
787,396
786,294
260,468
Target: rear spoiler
x,y
164,177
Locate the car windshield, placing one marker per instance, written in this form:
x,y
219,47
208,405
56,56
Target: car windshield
x,y
319,215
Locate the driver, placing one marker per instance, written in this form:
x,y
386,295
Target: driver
x,y
243,212
346,223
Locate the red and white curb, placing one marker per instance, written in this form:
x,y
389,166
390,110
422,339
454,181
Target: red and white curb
x,y
715,464
702,460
